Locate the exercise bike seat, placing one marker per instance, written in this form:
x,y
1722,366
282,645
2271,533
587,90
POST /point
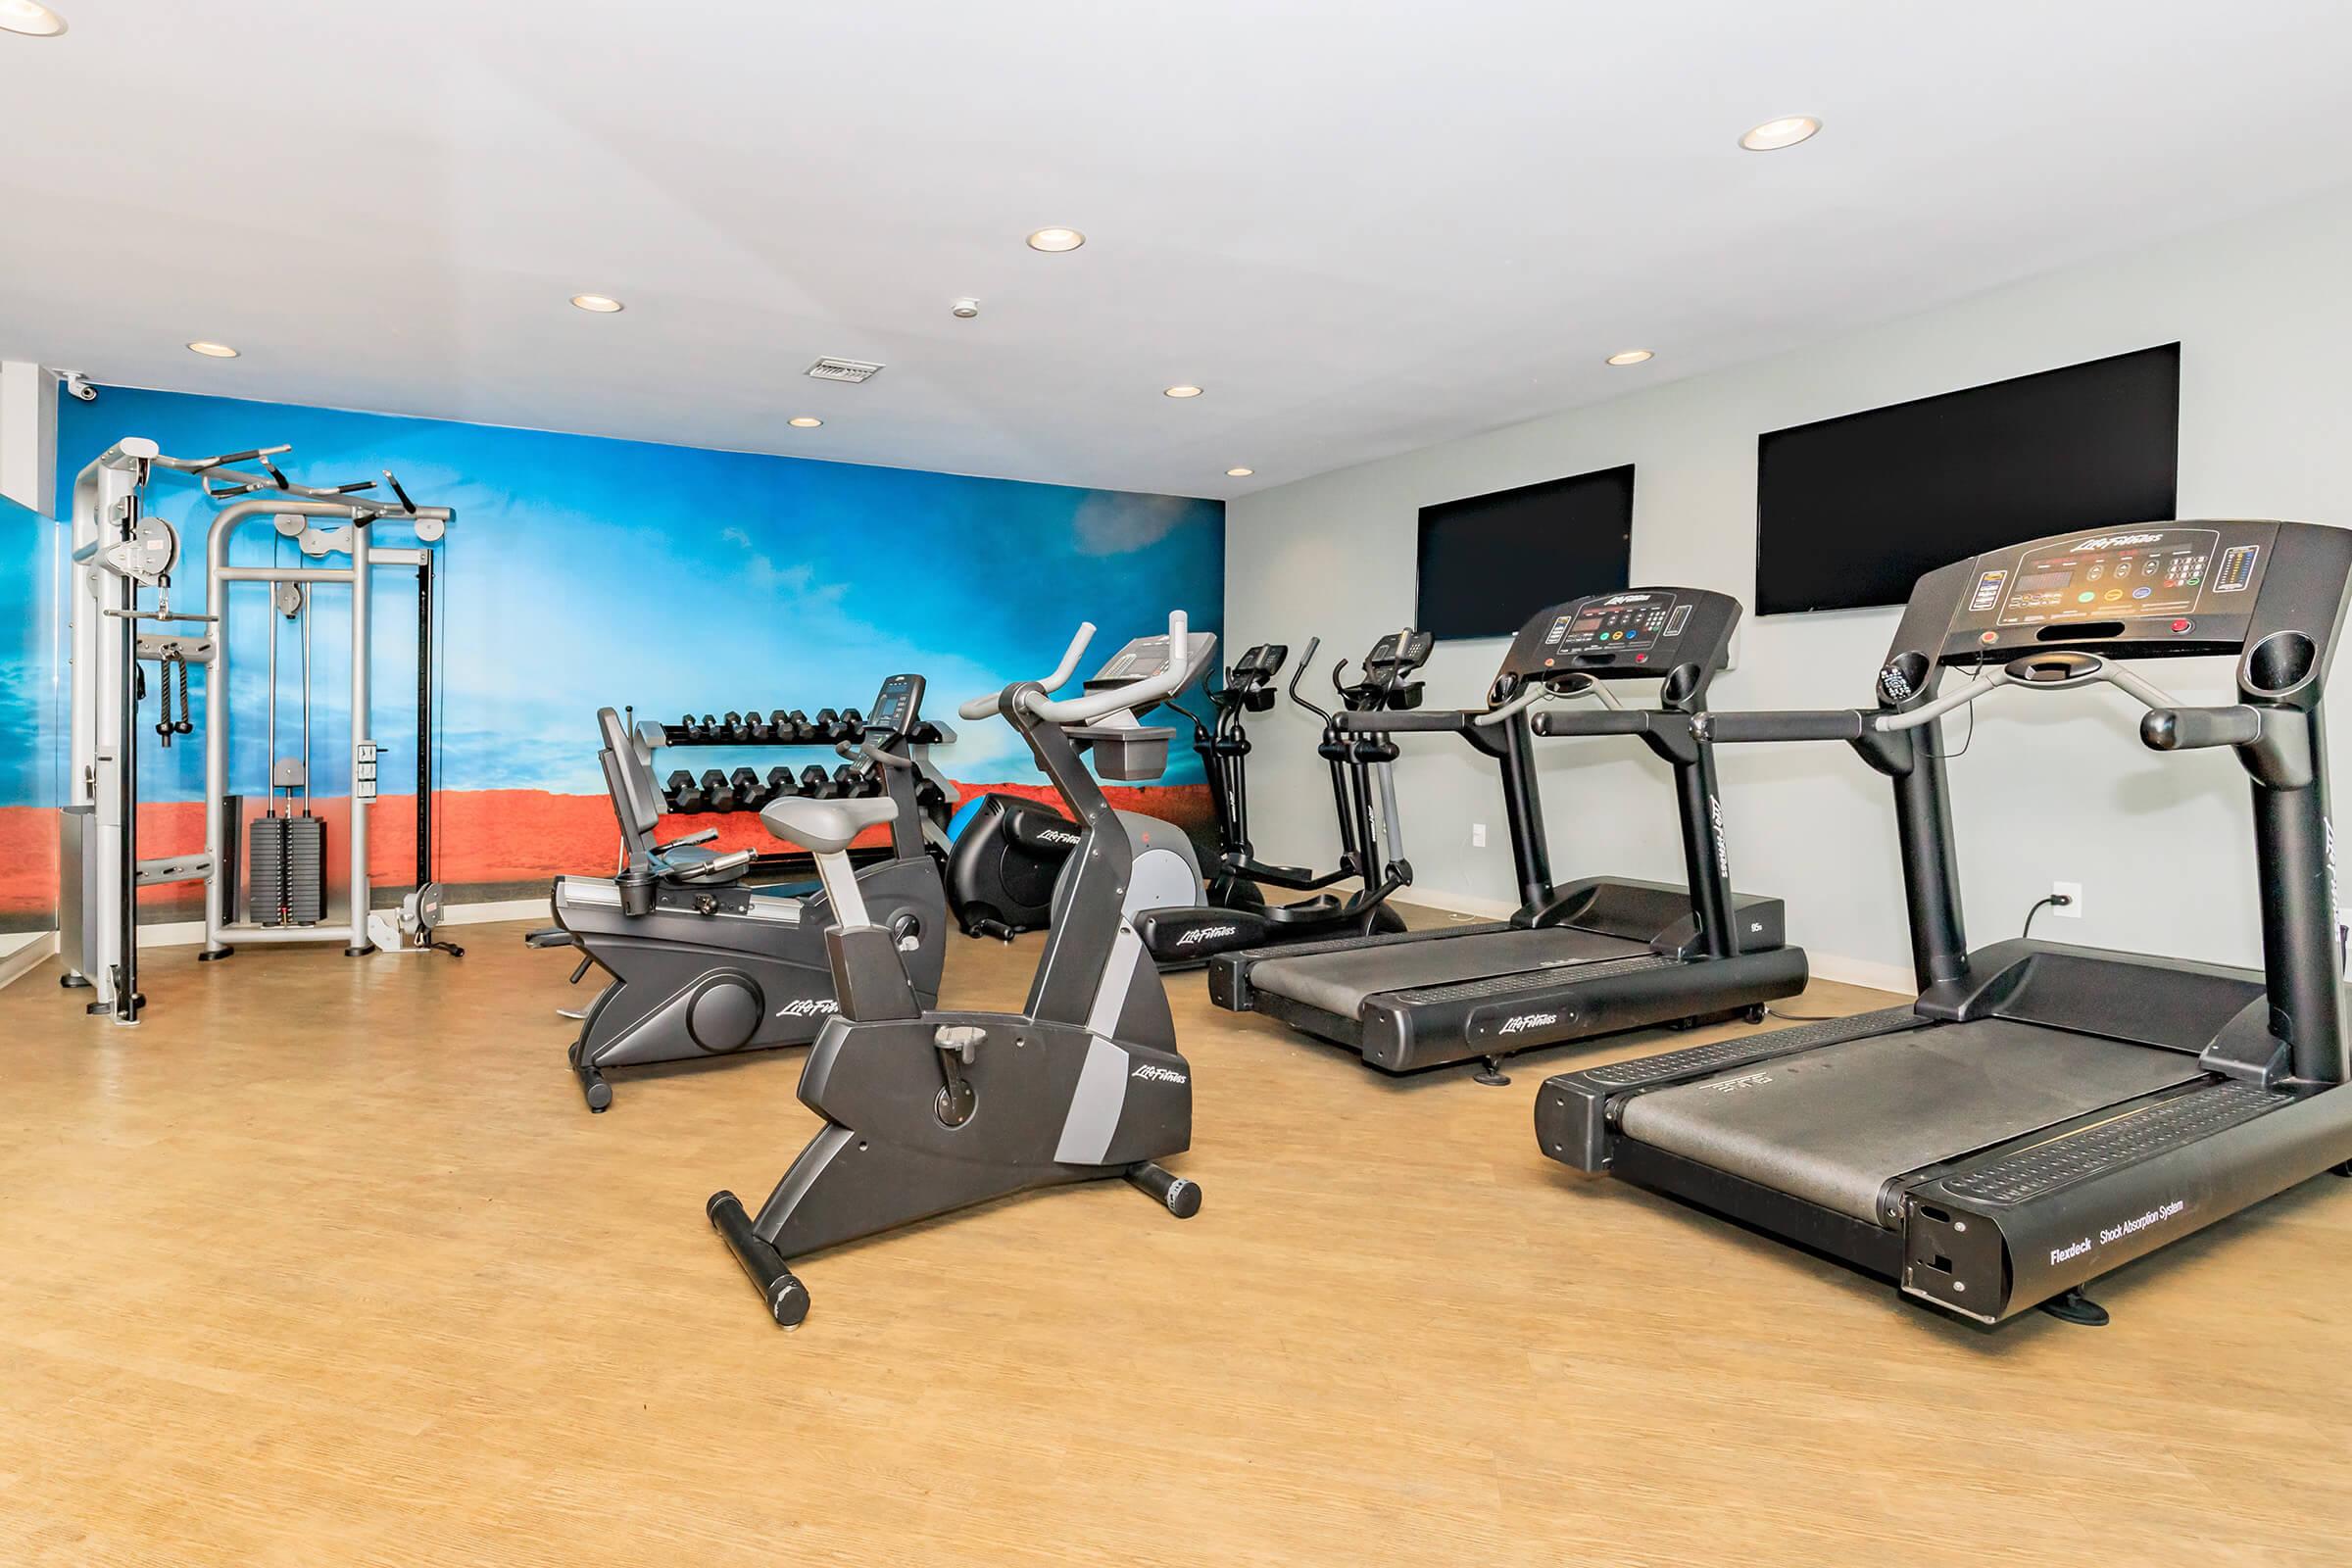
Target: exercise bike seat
x,y
825,827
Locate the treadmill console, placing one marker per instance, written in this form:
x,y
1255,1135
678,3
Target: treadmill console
x,y
897,706
2168,588
1639,634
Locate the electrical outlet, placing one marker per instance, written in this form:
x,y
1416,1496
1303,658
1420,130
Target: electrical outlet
x,y
1478,835
2071,891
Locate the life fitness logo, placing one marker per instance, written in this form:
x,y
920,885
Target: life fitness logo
x,y
808,1008
1151,1072
1204,933
1526,1021
2117,541
1627,599
1056,834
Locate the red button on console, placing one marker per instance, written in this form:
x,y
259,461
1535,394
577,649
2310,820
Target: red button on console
x,y
2181,625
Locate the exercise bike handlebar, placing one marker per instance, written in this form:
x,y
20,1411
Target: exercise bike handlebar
x,y
1165,683
984,707
1137,694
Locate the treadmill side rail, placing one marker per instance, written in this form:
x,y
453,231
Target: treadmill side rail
x,y
2087,1203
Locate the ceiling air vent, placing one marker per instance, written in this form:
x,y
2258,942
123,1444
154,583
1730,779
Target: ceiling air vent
x,y
832,369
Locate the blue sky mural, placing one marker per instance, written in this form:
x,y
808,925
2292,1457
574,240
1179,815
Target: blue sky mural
x,y
584,571
31,669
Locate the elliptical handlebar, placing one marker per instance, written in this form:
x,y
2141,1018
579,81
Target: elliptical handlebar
x,y
1298,672
1167,682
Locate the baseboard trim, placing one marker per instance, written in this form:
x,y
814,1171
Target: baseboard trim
x,y
1836,966
37,949
1895,977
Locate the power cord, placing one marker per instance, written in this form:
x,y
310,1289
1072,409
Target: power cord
x,y
2056,900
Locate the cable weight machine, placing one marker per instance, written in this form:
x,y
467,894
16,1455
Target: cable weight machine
x,y
122,549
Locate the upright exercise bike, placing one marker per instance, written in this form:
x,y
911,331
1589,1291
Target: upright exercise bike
x,y
703,966
928,1111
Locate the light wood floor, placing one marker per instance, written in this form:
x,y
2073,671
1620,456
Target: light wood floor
x,y
325,1266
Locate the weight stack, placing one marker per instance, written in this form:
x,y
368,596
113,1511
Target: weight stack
x,y
286,882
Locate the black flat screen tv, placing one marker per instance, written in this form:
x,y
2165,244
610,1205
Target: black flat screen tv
x,y
1851,512
1488,562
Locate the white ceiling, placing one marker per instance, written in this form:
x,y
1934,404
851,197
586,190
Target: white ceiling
x,y
1363,226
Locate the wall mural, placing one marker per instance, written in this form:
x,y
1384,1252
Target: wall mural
x,y
583,572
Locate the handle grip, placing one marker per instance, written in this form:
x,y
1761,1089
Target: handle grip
x,y
1601,721
2180,730
1823,724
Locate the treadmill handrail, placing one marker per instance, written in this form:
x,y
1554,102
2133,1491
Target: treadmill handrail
x,y
1852,723
1608,722
1380,721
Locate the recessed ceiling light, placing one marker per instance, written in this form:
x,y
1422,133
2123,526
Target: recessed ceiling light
x,y
1238,473
1055,239
1183,392
1775,135
213,351
1631,356
805,422
31,18
601,304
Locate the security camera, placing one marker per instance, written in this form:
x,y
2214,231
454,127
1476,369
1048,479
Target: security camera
x,y
965,308
79,384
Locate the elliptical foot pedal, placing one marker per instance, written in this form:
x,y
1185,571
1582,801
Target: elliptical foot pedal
x,y
1492,1074
2075,1307
1180,1195
787,1297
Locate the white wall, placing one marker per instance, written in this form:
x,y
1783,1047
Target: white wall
x,y
2057,789
27,435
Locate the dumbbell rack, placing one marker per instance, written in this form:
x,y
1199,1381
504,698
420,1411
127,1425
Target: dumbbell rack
x,y
745,790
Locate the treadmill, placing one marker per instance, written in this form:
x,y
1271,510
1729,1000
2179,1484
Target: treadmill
x,y
2043,1113
1574,959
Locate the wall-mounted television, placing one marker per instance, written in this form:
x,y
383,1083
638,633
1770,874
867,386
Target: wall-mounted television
x,y
1488,562
1851,512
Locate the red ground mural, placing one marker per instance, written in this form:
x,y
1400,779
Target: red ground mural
x,y
483,838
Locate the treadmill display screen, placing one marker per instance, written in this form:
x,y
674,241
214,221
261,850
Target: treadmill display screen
x,y
2138,575
1619,621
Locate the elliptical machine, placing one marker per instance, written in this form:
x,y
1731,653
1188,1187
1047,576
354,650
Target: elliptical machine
x,y
703,966
928,1111
1364,793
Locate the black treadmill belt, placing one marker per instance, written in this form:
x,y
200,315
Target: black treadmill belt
x,y
1339,983
1834,1126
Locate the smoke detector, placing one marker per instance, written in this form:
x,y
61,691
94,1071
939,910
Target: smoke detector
x,y
830,368
963,310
